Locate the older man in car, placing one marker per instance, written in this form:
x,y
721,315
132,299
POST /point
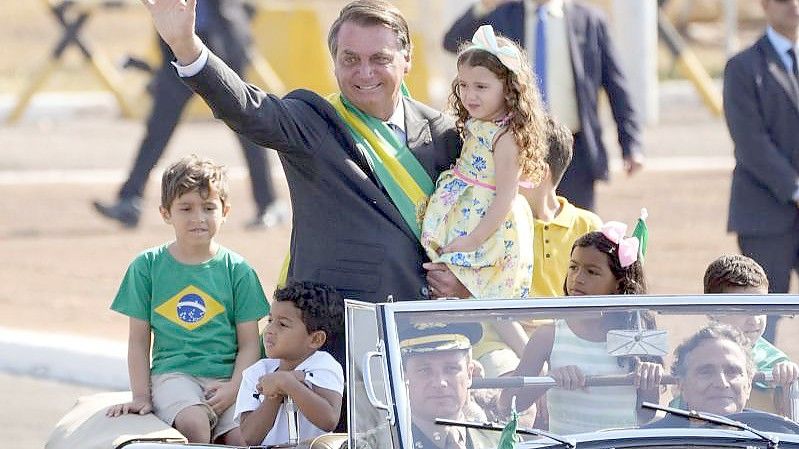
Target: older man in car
x,y
714,370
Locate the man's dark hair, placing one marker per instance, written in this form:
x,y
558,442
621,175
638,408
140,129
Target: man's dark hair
x,y
321,305
369,13
560,142
733,270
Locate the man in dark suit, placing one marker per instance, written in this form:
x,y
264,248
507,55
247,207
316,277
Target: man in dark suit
x,y
573,56
761,104
225,26
348,230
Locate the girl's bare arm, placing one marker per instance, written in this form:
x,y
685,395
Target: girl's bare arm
x,y
536,353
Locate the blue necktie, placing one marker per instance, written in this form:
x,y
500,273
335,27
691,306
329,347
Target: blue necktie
x,y
794,69
541,52
398,132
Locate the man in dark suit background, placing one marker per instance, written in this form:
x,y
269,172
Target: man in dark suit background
x,y
574,58
347,231
761,105
225,26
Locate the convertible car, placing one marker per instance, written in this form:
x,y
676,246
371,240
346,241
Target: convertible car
x,y
626,372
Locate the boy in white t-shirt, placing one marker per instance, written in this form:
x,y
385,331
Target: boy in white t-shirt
x,y
303,318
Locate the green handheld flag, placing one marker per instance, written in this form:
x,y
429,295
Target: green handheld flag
x,y
508,437
642,232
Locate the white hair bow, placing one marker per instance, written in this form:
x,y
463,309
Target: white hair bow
x,y
485,39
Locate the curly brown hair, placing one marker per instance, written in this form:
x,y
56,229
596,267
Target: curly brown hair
x,y
734,270
527,118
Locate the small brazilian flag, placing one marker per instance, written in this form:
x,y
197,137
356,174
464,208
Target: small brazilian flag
x,y
508,438
642,232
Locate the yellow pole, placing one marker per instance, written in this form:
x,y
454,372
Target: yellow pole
x,y
31,89
691,68
109,77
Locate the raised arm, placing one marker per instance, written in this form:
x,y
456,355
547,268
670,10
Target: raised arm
x,y
174,21
264,119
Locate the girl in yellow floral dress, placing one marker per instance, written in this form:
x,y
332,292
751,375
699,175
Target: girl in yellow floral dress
x,y
475,221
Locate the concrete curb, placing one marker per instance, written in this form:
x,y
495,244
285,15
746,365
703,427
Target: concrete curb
x,y
60,105
67,358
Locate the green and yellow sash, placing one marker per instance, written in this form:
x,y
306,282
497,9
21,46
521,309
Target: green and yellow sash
x,y
398,170
401,174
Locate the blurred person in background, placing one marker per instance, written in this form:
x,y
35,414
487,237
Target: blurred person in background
x,y
567,41
761,105
225,27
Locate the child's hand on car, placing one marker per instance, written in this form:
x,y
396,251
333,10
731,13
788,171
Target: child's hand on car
x,y
142,406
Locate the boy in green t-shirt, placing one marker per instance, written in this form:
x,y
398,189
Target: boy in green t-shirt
x,y
200,303
741,274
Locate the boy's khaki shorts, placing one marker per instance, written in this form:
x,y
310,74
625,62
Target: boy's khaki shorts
x,y
173,392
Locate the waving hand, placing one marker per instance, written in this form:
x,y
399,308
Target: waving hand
x,y
174,21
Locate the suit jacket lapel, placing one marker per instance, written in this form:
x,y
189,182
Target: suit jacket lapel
x,y
378,198
779,72
420,139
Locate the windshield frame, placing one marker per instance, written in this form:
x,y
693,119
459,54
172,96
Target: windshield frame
x,y
665,304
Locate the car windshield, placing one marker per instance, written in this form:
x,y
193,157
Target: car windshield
x,y
568,366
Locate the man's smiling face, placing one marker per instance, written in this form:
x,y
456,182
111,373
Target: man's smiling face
x,y
370,67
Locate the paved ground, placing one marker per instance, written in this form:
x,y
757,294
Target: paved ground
x,y
32,407
62,263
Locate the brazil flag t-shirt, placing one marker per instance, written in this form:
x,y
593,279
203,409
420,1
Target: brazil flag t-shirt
x,y
192,309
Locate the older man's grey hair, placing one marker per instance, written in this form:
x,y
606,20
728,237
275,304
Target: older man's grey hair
x,y
715,331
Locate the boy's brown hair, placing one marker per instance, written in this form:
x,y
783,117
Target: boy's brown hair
x,y
560,142
190,173
734,270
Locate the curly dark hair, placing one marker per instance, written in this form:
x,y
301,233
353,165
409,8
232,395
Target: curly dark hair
x,y
631,279
321,305
734,270
527,119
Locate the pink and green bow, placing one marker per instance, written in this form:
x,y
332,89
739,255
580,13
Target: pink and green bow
x,y
628,246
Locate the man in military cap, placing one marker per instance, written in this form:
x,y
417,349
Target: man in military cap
x,y
437,360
